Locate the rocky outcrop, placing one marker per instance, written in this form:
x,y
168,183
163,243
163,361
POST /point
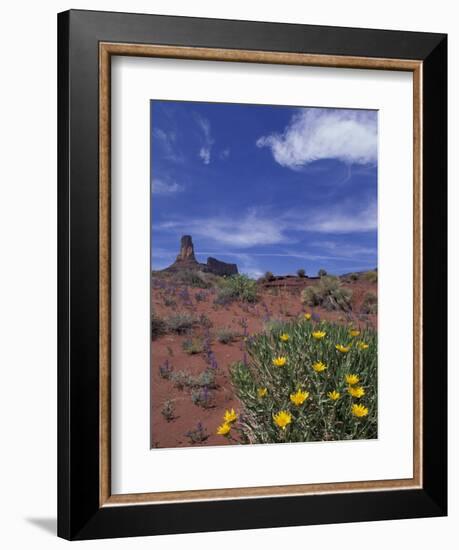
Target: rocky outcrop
x,y
187,260
221,268
186,253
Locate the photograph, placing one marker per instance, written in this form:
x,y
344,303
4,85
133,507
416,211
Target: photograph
x,y
264,274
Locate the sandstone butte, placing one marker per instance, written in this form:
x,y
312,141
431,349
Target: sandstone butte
x,y
186,260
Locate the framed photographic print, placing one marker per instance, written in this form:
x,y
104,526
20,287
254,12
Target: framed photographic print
x,y
252,274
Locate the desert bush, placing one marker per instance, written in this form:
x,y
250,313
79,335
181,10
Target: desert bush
x,y
226,335
198,434
158,326
185,380
193,346
328,293
165,370
237,287
200,296
169,302
321,273
224,296
242,288
308,385
370,303
204,321
268,276
354,276
168,410
203,397
370,276
301,273
180,323
192,278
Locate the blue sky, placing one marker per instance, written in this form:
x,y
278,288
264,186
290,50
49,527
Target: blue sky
x,y
270,188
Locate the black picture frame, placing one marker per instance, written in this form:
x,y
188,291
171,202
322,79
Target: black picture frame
x,y
80,515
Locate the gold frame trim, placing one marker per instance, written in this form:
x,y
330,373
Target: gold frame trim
x,y
106,51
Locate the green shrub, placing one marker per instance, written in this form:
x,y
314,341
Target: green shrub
x,y
185,380
237,287
203,397
265,389
192,278
158,326
193,346
370,276
268,276
328,293
322,273
354,276
226,335
370,303
301,273
180,323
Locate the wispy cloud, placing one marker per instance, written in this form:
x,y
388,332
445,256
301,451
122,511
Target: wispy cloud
x,y
161,186
206,148
315,134
249,230
344,221
168,143
258,227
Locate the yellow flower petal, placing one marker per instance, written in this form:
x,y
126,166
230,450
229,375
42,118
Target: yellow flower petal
x,y
282,419
224,429
299,397
230,416
318,334
352,379
342,349
319,366
262,392
359,410
334,395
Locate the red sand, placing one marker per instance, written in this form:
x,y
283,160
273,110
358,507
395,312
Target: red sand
x,y
285,305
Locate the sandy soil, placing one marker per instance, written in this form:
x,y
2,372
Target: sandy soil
x,y
279,300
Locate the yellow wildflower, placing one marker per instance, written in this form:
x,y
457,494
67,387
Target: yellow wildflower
x,y
282,419
319,366
262,392
342,349
362,345
307,316
284,337
352,379
359,410
354,333
334,395
299,397
279,361
356,391
230,416
224,429
318,334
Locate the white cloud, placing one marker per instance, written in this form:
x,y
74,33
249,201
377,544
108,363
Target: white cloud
x,y
162,187
256,228
244,232
314,134
168,144
340,221
204,154
206,149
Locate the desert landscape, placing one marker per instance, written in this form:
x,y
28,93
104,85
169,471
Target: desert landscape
x,y
209,325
